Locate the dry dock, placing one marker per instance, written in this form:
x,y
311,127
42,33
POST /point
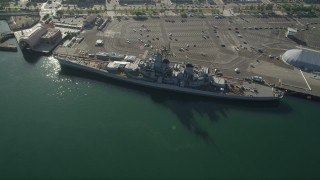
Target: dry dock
x,y
8,47
4,36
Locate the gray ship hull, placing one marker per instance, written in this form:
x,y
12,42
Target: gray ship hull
x,y
174,88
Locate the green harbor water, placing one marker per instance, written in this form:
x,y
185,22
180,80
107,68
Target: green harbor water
x,y
57,124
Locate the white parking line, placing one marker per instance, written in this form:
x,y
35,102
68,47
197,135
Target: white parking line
x,y
305,80
299,22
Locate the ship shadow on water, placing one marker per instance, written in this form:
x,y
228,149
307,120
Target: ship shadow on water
x,y
185,106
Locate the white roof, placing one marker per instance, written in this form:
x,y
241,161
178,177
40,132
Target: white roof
x,y
32,35
304,59
292,30
130,58
116,64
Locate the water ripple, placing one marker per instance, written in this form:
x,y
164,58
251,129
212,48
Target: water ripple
x,y
63,85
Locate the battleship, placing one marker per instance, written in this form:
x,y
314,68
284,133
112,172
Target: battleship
x,y
157,72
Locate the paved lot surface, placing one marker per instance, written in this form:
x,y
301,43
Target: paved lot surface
x,y
227,43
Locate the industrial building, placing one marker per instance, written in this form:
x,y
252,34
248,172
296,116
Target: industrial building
x,y
51,36
31,37
40,33
306,60
69,26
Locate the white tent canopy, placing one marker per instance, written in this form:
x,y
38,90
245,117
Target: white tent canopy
x,y
304,59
